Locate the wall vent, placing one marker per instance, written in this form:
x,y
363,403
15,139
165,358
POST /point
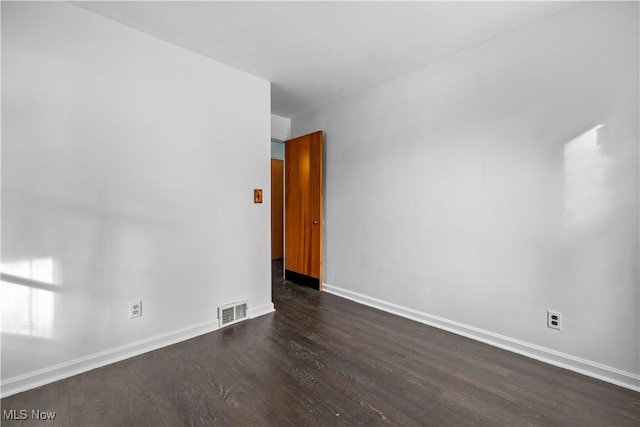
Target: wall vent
x,y
232,313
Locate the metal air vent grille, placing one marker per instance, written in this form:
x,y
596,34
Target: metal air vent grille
x,y
232,313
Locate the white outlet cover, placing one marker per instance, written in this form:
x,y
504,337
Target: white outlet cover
x,y
135,309
554,316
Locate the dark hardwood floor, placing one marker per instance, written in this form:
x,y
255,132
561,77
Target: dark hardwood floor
x,y
321,360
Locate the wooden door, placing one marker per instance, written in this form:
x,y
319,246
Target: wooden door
x,y
303,210
277,209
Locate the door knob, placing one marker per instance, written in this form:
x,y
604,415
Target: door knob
x,y
315,222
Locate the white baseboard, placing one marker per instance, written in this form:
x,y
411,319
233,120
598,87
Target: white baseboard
x,y
260,311
61,371
556,358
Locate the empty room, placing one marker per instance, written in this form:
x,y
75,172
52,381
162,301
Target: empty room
x,y
419,213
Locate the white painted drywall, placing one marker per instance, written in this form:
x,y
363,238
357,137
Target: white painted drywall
x,y
280,127
128,169
280,131
465,191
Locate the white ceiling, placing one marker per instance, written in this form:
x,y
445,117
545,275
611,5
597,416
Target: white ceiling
x,y
315,52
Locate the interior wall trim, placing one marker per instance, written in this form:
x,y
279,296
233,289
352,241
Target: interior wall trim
x,y
80,365
254,312
543,354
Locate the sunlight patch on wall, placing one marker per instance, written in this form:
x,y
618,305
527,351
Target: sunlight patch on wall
x,y
40,269
27,310
586,196
28,303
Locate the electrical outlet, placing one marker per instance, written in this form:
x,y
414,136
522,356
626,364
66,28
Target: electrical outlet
x,y
135,309
554,320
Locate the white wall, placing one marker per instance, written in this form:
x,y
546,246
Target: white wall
x,y
280,127
455,195
281,131
128,169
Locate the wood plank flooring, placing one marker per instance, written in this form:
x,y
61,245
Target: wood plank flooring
x,y
321,360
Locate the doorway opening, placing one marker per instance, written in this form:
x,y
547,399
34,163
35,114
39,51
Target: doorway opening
x,y
296,208
277,199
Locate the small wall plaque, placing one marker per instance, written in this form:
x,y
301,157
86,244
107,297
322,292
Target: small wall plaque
x,y
257,195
